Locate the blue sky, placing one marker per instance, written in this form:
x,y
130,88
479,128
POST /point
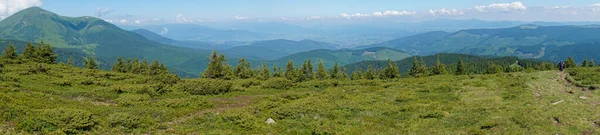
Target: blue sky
x,y
198,11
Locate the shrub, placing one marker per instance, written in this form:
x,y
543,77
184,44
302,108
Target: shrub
x,y
278,83
248,82
37,68
125,120
70,121
205,86
132,99
62,83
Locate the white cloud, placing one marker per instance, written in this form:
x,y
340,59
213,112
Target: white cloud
x,y
137,22
237,17
9,7
100,12
164,31
110,21
286,19
443,11
181,19
399,13
123,21
503,7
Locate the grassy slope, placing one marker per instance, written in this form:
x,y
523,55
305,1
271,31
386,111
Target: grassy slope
x,y
342,57
515,103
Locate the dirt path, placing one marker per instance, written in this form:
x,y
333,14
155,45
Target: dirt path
x,y
222,104
567,83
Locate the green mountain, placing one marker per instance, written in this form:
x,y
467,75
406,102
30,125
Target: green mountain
x,y
330,57
94,36
476,64
527,41
274,49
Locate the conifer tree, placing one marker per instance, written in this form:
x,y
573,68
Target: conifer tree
x,y
357,74
460,67
343,73
592,63
289,70
440,69
90,63
418,68
128,65
584,63
335,72
493,68
29,52
144,67
307,69
215,66
322,73
45,54
276,71
119,65
299,75
70,61
370,74
570,63
135,66
264,72
228,72
242,70
154,69
9,52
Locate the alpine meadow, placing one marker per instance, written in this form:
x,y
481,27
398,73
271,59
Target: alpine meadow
x,y
299,67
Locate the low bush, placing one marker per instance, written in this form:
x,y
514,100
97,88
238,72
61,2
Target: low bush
x,y
132,99
127,121
205,86
278,83
70,121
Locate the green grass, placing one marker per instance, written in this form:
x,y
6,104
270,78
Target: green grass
x,y
585,77
511,103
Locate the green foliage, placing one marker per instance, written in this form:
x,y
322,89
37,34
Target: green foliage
x,y
440,68
265,73
290,72
419,69
584,63
127,121
243,70
493,68
278,83
391,71
322,73
460,68
336,73
585,77
308,70
9,52
70,121
205,86
215,66
90,63
371,73
592,64
570,63
70,61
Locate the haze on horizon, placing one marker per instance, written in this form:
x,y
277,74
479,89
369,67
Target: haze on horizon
x,y
149,12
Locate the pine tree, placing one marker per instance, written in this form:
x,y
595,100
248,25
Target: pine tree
x,y
570,63
335,72
276,71
322,73
391,71
242,70
228,72
29,52
119,65
265,72
154,69
418,68
370,74
90,63
440,69
357,74
493,68
289,70
307,69
299,75
215,66
128,65
343,73
460,67
70,61
584,63
135,66
45,54
144,67
9,52
592,63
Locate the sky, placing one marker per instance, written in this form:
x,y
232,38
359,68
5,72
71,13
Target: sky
x,y
142,12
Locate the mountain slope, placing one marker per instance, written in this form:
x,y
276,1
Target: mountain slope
x,y
406,43
450,59
274,49
192,32
342,57
93,36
